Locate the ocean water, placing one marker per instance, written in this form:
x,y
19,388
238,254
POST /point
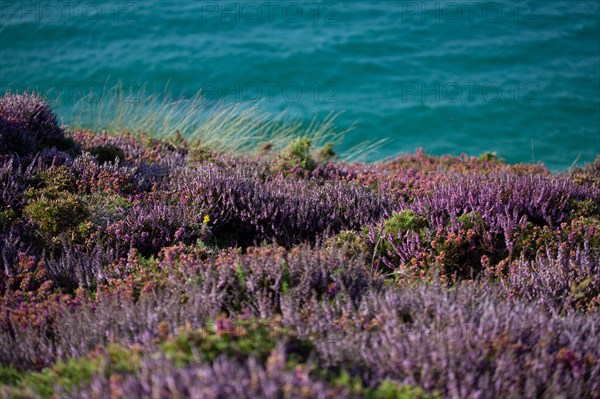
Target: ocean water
x,y
518,78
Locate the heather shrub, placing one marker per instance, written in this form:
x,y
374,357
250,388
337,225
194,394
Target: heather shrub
x,y
12,186
27,125
246,209
80,265
464,342
159,221
222,379
261,278
28,274
262,343
107,178
53,180
406,244
471,224
585,208
561,279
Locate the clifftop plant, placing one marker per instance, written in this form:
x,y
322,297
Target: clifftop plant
x,y
53,207
296,156
27,125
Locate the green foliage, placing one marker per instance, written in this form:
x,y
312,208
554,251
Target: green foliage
x,y
200,153
296,155
56,215
391,390
241,276
53,207
239,338
470,220
9,375
349,242
386,390
352,384
578,289
285,284
584,208
489,156
107,153
52,182
68,375
404,221
7,216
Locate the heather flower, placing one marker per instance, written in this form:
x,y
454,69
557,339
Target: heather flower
x,y
27,124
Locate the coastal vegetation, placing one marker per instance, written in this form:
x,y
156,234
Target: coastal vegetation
x,y
162,261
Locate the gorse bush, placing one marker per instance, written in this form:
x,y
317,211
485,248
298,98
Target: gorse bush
x,y
133,267
297,155
56,215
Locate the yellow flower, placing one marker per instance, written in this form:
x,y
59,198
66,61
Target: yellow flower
x,y
206,219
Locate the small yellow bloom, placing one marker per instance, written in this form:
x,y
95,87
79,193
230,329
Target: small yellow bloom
x,y
206,219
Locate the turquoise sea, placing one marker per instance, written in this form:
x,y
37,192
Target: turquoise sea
x,y
518,78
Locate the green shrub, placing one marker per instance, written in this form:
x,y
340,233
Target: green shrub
x,y
391,390
470,220
107,153
68,374
9,375
7,216
489,156
199,153
386,390
349,242
296,155
239,338
404,221
584,208
52,181
53,207
54,216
